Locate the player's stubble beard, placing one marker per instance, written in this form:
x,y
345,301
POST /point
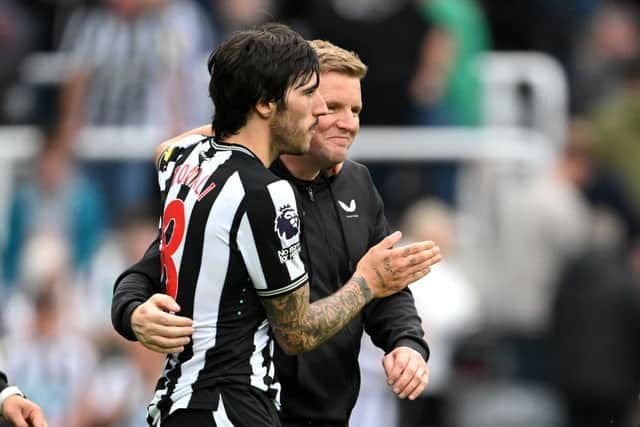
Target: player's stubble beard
x,y
288,134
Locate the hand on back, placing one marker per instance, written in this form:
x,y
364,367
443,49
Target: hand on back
x,y
158,328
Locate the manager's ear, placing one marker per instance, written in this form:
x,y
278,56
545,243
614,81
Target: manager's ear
x,y
265,109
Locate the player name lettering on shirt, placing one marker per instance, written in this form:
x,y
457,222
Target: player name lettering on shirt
x,y
192,177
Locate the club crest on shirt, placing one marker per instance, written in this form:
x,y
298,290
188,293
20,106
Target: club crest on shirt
x,y
287,224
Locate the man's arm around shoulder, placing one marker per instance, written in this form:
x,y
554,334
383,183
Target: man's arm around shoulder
x,y
141,311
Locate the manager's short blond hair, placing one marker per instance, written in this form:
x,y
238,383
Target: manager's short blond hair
x,y
334,58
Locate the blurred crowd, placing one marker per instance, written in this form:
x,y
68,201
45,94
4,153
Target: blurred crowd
x,y
538,327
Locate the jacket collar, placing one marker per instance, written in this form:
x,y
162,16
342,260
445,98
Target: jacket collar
x,y
320,182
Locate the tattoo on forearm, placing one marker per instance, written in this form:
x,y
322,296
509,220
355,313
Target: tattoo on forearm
x,y
364,288
300,326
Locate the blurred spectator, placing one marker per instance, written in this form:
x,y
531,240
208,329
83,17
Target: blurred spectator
x,y
128,376
28,27
536,25
136,63
125,245
544,222
617,129
15,41
445,89
234,15
44,353
595,330
387,36
54,197
601,184
45,258
548,222
449,306
609,40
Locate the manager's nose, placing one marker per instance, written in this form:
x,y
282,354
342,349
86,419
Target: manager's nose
x,y
319,106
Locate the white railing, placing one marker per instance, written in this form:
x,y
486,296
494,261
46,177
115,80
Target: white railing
x,y
373,144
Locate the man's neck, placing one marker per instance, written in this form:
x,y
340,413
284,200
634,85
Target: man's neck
x,y
306,168
255,136
302,167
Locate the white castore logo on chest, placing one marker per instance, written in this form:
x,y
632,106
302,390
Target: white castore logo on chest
x,y
351,207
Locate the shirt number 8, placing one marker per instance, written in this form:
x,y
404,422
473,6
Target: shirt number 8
x,y
171,240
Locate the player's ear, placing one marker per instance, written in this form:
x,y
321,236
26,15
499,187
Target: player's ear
x,y
265,109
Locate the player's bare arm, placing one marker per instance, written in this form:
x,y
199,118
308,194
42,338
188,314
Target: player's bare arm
x,y
300,326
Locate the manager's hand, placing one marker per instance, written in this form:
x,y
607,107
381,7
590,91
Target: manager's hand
x,y
387,269
407,372
157,328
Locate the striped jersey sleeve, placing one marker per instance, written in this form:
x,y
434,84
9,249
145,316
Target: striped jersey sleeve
x,y
269,240
169,158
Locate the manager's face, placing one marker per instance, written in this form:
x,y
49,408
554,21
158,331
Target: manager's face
x,y
338,128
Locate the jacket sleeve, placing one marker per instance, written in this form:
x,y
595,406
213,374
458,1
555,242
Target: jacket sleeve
x,y
393,321
381,227
133,287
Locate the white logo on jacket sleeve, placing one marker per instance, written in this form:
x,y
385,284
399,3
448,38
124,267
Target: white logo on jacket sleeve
x,y
351,207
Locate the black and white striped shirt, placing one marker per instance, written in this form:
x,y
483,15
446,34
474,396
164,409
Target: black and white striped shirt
x,y
144,70
230,236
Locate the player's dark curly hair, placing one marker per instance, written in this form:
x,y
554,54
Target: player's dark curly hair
x,y
256,65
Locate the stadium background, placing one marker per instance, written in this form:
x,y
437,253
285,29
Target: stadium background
x,y
506,131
